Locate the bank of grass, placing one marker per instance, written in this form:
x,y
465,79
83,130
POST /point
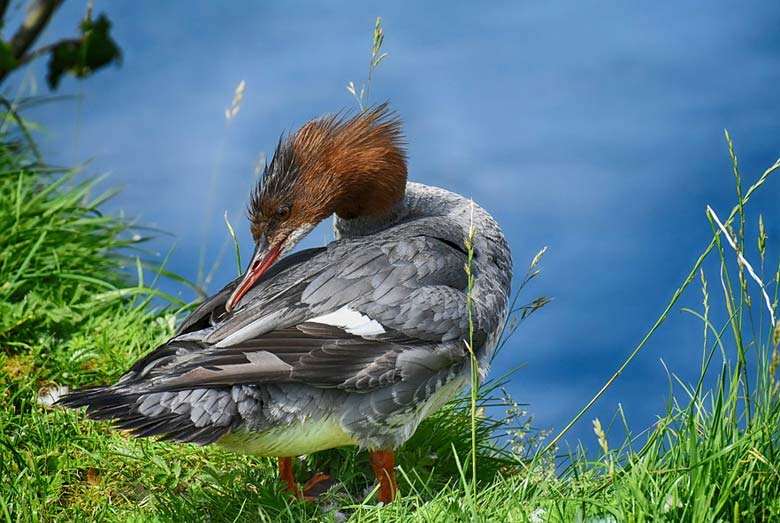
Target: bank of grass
x,y
72,314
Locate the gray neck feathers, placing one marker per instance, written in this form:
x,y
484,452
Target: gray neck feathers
x,y
366,225
420,201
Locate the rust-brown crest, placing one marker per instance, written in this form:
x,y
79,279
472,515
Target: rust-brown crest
x,y
360,161
352,166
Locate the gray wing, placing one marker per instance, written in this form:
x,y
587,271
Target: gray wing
x,y
410,278
409,282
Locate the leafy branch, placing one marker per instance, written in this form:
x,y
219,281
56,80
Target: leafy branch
x,y
93,49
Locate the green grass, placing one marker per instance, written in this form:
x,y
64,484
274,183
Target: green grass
x,y
72,314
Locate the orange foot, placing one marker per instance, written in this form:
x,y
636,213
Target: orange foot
x,y
317,485
312,489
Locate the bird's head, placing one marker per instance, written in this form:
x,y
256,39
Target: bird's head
x,y
352,167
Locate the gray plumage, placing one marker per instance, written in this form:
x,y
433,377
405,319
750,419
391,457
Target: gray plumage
x,y
234,378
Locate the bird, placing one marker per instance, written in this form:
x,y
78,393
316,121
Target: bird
x,y
352,343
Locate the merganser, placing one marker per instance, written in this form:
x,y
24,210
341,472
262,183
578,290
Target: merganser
x,y
353,343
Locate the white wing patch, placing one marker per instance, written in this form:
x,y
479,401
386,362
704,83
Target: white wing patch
x,y
351,321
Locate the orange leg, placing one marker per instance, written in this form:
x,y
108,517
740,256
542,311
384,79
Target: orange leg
x,y
286,475
383,464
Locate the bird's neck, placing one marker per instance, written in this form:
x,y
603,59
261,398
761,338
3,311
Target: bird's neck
x,y
365,225
419,201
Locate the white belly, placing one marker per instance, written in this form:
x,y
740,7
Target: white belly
x,y
295,439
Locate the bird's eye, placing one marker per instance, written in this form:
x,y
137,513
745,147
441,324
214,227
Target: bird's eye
x,y
283,212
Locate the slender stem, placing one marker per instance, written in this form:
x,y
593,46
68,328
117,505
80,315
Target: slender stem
x,y
38,15
474,385
210,203
235,244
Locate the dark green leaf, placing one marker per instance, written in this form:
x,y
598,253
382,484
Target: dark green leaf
x,y
82,57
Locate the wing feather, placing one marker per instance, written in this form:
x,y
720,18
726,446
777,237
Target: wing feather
x,y
409,282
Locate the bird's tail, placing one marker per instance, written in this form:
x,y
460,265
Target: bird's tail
x,y
172,415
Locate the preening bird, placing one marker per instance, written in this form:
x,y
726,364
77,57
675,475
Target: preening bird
x,y
353,343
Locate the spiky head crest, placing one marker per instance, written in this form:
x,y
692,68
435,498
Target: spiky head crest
x,y
351,166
